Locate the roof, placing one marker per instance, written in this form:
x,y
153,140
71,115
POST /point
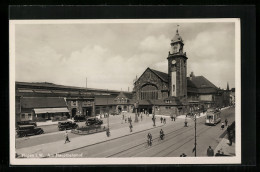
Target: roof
x,y
121,95
162,75
202,82
48,85
176,38
43,102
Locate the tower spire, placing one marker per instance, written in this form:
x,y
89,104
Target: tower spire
x,y
227,87
177,31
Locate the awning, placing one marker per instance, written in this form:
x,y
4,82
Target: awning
x,y
50,110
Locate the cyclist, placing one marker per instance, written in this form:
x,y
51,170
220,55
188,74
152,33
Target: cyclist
x,y
161,134
149,139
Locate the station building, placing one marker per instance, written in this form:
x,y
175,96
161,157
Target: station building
x,y
47,101
174,93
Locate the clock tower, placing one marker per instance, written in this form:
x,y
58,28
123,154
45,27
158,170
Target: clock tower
x,y
177,68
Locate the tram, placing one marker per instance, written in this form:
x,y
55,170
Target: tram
x,y
213,117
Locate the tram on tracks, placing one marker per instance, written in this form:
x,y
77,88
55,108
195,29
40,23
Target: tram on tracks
x,y
213,117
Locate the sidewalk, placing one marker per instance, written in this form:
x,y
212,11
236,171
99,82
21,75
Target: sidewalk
x,y
50,149
224,147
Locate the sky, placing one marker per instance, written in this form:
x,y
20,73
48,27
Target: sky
x,y
111,55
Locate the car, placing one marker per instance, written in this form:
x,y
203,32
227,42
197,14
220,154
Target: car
x,y
94,121
114,113
79,118
25,130
67,125
27,123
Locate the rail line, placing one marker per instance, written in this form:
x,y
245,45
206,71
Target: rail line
x,y
140,146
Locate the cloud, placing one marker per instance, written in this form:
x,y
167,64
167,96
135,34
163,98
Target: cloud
x,y
111,55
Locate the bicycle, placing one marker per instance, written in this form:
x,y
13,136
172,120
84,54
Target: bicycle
x,y
148,143
161,137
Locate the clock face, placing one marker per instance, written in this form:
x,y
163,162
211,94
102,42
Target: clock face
x,y
173,62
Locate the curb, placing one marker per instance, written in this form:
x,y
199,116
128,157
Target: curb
x,y
102,141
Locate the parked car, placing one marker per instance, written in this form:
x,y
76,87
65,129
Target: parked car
x,y
25,130
27,123
94,121
67,125
114,113
79,118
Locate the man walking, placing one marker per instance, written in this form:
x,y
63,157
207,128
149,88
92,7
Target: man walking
x,y
66,137
226,122
210,151
164,120
222,125
161,119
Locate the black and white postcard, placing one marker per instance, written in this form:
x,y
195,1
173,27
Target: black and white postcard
x,y
125,91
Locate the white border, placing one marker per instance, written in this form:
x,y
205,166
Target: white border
x,y
99,161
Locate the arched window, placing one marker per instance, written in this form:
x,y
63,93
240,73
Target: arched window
x,y
149,92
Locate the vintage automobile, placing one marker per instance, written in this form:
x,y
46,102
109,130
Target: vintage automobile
x,y
94,121
27,123
67,125
79,118
25,130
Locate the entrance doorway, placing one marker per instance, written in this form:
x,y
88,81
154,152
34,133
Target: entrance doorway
x,y
73,112
119,109
87,111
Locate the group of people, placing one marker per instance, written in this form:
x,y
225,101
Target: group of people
x,y
210,152
150,137
223,125
163,120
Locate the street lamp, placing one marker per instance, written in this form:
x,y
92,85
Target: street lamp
x,y
136,106
154,117
195,144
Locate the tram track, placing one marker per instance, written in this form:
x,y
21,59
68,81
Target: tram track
x,y
141,145
169,139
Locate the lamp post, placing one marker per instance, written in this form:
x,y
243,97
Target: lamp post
x,y
154,117
107,112
195,144
136,106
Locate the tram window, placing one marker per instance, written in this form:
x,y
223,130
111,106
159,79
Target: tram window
x,y
209,117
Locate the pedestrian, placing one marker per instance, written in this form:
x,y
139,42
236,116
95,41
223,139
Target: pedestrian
x,y
226,122
125,120
222,125
230,138
164,120
130,126
183,155
141,117
210,151
123,116
218,153
66,137
174,118
161,119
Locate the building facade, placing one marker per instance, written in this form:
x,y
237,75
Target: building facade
x,y
174,92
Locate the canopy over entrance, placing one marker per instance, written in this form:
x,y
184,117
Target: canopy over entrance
x,y
50,110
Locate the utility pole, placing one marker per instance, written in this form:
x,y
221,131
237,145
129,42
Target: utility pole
x,y
195,136
107,112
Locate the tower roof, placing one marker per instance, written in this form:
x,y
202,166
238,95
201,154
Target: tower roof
x,y
177,37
